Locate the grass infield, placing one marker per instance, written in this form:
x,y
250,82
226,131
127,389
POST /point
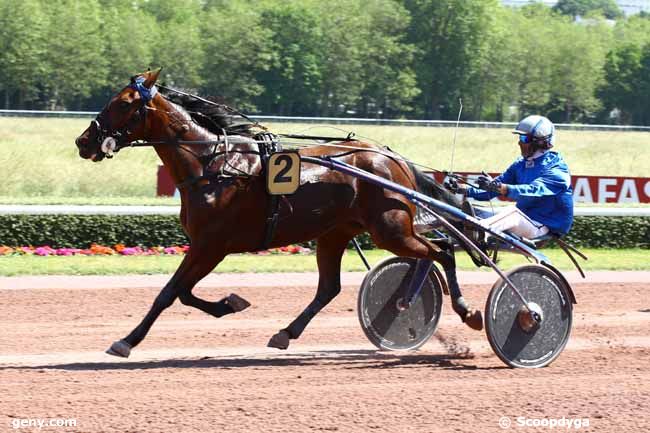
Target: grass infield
x,y
41,165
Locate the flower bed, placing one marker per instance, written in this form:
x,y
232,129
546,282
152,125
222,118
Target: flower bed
x,y
119,249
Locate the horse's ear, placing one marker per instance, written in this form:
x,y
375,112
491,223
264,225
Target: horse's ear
x,y
152,77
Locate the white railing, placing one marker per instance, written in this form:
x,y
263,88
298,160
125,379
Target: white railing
x,y
349,120
174,210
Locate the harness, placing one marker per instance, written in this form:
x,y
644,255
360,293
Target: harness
x,y
114,139
269,144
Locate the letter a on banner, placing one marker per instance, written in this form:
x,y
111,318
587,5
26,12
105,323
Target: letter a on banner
x,y
582,191
628,193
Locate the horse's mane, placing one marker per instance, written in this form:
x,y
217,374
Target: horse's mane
x,y
215,117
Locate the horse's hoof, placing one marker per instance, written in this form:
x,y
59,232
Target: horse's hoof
x,y
120,348
279,340
474,319
237,303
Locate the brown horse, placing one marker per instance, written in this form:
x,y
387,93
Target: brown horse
x,y
224,203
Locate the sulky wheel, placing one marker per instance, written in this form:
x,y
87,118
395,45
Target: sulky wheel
x,y
387,325
518,340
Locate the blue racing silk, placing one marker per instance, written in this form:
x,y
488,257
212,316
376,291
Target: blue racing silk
x,y
541,187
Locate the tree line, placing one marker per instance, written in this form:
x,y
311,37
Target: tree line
x,y
362,58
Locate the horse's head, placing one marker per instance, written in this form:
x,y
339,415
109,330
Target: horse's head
x,y
121,121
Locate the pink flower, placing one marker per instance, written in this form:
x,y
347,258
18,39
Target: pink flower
x,y
95,250
67,251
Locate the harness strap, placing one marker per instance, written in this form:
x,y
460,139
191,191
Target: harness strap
x,y
272,216
191,180
268,144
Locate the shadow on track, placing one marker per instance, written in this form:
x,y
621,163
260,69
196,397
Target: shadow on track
x,y
349,359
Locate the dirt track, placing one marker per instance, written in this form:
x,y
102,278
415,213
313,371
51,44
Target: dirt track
x,y
195,373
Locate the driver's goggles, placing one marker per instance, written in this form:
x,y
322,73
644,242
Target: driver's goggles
x,y
524,138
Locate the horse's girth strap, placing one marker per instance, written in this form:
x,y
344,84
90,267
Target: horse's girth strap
x,y
268,145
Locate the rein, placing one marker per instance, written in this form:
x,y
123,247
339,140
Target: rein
x,y
146,95
224,106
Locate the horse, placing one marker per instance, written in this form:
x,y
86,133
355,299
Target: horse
x,y
217,166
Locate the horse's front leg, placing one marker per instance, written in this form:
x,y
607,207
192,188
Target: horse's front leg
x,y
329,252
196,265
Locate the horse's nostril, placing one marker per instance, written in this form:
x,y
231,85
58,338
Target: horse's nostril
x,y
79,142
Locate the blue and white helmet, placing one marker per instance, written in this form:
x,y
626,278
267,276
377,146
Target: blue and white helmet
x,y
537,130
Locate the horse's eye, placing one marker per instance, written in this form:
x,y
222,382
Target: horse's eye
x,y
124,105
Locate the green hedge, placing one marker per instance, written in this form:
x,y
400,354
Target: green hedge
x,y
610,232
79,231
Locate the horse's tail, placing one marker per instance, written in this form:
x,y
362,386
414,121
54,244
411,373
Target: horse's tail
x,y
429,186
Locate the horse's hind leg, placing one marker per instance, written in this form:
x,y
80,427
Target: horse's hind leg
x,y
230,304
472,318
394,232
329,252
196,265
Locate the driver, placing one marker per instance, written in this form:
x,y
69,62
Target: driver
x,y
538,181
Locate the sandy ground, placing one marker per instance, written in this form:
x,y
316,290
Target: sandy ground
x,y
195,373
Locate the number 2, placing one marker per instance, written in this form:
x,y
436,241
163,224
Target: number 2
x,y
288,163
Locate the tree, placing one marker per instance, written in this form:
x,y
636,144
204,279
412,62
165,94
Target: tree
x,y
74,60
575,8
177,44
128,33
493,77
643,114
337,64
292,82
624,88
625,82
22,46
236,46
531,58
389,81
634,30
448,35
341,55
578,60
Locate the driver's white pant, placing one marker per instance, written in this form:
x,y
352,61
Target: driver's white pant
x,y
514,221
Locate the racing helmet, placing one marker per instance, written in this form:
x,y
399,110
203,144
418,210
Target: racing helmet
x,y
537,130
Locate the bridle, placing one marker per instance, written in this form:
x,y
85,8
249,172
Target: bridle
x,y
111,139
